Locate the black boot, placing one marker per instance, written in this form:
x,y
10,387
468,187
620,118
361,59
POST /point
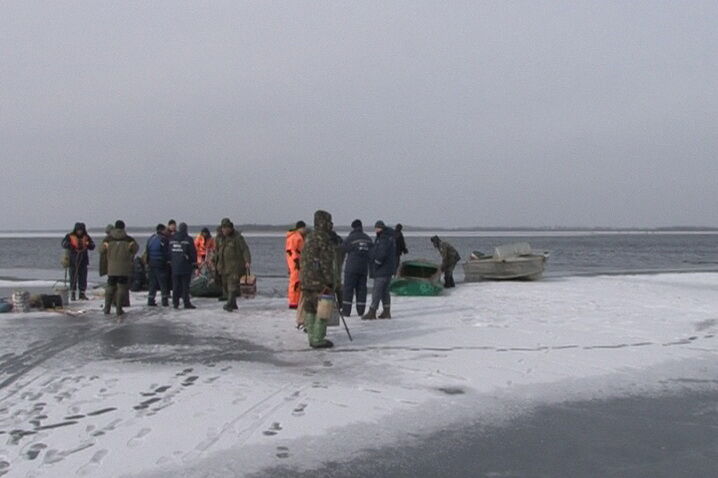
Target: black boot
x,y
231,304
189,306
165,301
151,303
83,296
386,313
110,292
72,296
371,315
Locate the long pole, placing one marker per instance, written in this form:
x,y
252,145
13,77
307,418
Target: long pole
x,y
339,310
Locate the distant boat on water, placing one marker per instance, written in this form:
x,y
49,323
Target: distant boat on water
x,y
509,262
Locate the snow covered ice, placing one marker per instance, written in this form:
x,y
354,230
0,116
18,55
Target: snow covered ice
x,y
207,393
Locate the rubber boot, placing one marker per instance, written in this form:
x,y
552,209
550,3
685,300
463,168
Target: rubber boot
x,y
309,320
371,315
347,310
386,313
110,292
231,304
82,295
122,291
317,339
165,301
72,296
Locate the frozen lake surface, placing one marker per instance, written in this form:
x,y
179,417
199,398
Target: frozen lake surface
x,y
206,393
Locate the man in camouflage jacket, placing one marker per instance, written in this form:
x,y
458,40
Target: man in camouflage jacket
x,y
449,258
233,261
318,276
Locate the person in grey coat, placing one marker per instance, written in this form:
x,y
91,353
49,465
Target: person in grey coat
x,y
357,247
382,269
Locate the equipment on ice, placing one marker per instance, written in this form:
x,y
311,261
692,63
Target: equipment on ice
x,y
418,278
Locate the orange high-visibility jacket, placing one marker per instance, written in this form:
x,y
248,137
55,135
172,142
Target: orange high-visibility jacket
x,y
293,248
203,246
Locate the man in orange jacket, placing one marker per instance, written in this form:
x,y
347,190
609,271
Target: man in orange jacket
x,y
204,244
293,248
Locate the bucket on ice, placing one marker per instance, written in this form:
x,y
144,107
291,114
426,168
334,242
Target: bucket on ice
x,y
325,307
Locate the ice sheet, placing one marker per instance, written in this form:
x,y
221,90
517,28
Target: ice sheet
x,y
197,393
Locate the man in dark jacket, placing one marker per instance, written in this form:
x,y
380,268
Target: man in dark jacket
x,y
382,268
449,258
357,247
157,252
400,245
317,276
184,259
233,261
119,251
77,243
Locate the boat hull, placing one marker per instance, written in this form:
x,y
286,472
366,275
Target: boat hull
x,y
514,268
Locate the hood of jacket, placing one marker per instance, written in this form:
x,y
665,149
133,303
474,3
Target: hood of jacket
x,y
118,234
323,221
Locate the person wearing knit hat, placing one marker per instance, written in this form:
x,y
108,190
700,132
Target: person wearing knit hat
x,y
293,245
357,247
119,250
382,269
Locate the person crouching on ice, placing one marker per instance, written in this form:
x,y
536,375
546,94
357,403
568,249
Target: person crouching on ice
x,y
317,277
449,258
293,248
204,244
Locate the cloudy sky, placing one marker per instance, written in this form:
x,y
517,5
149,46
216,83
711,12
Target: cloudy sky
x,y
429,113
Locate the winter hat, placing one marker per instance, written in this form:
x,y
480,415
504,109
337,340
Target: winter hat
x,y
399,227
435,240
205,230
78,227
224,221
108,228
379,225
160,227
227,223
300,224
119,224
356,224
182,227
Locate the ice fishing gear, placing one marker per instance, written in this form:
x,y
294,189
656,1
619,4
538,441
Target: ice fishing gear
x,y
346,327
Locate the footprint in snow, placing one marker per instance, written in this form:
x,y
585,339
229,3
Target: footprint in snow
x,y
90,468
273,430
282,452
34,450
138,439
299,410
189,381
184,372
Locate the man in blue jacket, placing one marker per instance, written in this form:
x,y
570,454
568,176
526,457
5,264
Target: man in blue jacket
x,y
184,260
157,255
382,267
357,247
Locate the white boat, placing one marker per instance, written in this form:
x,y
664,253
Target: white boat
x,y
509,262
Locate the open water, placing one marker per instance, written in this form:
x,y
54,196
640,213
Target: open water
x,y
570,254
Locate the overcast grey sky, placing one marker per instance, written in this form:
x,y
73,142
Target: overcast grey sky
x,y
428,113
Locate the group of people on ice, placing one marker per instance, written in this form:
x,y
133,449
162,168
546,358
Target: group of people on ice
x,y
319,261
